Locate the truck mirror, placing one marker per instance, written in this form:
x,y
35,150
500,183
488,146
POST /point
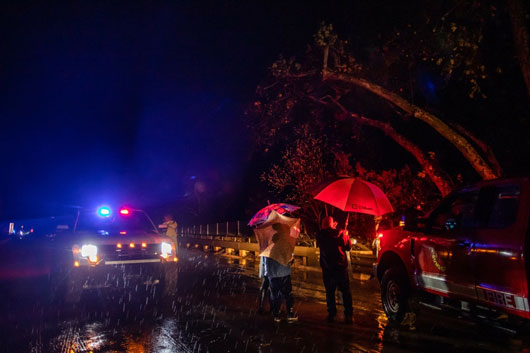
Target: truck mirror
x,y
451,224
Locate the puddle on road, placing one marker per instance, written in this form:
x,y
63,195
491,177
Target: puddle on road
x,y
96,337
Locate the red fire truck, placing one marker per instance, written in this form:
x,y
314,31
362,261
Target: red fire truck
x,y
468,254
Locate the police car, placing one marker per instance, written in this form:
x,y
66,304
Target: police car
x,y
469,254
114,247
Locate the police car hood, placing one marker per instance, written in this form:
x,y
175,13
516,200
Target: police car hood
x,y
136,236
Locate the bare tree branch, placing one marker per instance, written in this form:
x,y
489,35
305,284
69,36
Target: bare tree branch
x,y
431,169
457,140
483,146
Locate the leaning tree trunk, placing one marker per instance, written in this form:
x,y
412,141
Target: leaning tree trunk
x,y
486,150
429,166
457,140
521,39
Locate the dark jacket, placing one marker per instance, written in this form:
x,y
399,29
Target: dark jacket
x,y
333,244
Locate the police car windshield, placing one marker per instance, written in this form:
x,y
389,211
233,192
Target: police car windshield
x,y
115,222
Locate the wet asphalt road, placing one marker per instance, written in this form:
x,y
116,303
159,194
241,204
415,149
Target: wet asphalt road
x,y
214,310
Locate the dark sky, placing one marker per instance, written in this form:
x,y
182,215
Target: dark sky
x,y
112,100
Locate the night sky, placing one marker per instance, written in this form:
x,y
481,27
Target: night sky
x,y
108,101
111,102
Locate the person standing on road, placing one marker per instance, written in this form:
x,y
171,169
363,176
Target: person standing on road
x,y
171,228
279,277
333,246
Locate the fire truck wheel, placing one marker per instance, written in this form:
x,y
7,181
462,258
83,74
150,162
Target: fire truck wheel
x,y
395,292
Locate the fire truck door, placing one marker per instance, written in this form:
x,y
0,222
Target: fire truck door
x,y
500,268
446,257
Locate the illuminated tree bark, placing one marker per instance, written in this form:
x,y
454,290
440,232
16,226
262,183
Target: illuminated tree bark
x,y
483,146
460,142
429,166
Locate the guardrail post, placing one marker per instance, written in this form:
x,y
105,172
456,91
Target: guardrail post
x,y
216,228
227,228
237,227
208,229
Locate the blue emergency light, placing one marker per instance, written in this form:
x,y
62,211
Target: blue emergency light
x,y
104,211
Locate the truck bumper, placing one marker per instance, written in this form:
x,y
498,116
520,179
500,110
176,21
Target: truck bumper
x,y
118,274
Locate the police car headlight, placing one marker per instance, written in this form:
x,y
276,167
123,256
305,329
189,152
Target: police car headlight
x,y
165,249
90,251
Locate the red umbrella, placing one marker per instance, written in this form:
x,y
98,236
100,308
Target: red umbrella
x,y
262,215
355,195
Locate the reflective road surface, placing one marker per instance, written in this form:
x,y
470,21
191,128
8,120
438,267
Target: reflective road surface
x,y
214,310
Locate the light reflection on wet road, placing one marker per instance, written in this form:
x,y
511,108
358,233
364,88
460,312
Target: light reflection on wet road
x,y
214,310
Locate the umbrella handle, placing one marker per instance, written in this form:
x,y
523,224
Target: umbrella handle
x,y
346,222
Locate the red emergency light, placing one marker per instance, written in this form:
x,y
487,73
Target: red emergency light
x,y
125,211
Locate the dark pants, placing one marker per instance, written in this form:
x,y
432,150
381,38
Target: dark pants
x,y
333,279
263,293
281,287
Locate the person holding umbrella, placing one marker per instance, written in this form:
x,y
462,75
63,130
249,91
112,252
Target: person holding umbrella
x,y
279,275
334,245
350,195
265,226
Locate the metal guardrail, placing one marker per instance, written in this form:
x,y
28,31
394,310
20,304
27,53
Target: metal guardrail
x,y
361,261
234,228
